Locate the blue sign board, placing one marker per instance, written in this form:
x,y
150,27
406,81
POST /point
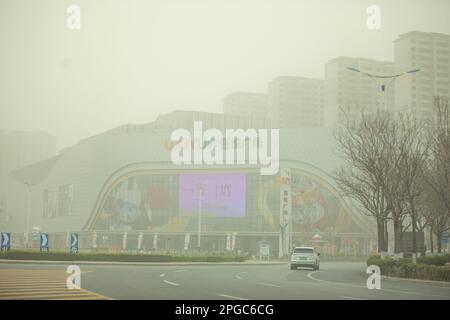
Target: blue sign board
x,y
73,243
6,241
44,242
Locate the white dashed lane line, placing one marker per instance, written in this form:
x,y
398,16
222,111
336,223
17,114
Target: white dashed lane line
x,y
351,298
268,284
171,283
231,297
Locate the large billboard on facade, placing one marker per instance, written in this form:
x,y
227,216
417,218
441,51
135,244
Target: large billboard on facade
x,y
218,194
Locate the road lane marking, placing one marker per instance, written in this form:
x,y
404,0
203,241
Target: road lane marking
x,y
162,275
171,283
352,298
268,284
89,271
182,270
309,275
231,297
238,277
40,284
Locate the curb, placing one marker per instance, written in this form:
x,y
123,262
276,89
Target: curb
x,y
119,263
431,282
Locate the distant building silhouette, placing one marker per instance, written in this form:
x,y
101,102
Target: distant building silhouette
x,y
246,104
296,102
351,92
429,52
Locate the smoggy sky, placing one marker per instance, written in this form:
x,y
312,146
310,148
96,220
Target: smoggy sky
x,y
135,59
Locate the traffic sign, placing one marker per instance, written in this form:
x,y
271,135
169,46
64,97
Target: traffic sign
x,y
73,243
6,241
44,242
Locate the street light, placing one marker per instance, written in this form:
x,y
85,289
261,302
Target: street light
x,y
200,201
391,78
27,231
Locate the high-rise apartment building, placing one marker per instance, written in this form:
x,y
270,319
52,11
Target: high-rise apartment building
x,y
349,93
247,104
430,53
296,102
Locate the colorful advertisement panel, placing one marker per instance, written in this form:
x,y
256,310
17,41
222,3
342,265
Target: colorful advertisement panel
x,y
222,194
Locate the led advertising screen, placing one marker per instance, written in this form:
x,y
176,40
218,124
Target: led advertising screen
x,y
223,194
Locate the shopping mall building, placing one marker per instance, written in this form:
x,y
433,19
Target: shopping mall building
x,y
120,189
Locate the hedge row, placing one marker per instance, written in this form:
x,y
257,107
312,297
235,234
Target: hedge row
x,y
404,268
434,260
114,257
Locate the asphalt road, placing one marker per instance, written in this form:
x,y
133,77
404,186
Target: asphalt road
x,y
335,280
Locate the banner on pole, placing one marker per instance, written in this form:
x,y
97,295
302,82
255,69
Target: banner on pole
x,y
187,238
155,241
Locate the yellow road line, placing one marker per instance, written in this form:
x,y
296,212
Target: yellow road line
x,y
40,284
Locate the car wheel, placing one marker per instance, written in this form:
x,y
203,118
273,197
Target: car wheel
x,y
293,268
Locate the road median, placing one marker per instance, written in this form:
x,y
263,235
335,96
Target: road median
x,y
84,262
124,258
429,268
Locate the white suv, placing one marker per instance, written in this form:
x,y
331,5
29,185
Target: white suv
x,y
305,257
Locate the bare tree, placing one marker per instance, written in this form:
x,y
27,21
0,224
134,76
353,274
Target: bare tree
x,y
393,186
412,150
362,147
435,215
384,160
438,171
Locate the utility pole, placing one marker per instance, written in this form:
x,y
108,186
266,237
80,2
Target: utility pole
x,y
27,230
200,203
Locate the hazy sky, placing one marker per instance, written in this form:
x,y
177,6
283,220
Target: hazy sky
x,y
135,59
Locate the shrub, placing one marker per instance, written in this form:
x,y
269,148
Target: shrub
x,y
404,268
117,257
434,260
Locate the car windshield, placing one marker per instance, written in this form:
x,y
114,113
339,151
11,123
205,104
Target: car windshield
x,y
303,250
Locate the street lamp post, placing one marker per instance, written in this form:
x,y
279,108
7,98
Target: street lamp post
x,y
27,230
388,79
200,202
